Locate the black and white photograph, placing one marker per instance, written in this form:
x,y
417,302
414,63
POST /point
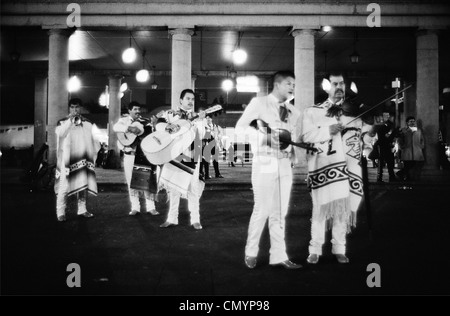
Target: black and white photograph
x,y
225,155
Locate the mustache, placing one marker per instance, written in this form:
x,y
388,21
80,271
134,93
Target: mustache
x,y
339,90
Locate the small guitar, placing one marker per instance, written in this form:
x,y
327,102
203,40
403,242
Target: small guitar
x,y
171,139
284,136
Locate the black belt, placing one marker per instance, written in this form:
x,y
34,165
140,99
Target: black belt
x,y
129,153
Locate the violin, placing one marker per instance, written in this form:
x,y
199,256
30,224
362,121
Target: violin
x,y
283,134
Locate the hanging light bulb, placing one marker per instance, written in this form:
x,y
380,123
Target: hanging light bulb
x,y
143,75
154,85
239,56
129,55
74,84
227,85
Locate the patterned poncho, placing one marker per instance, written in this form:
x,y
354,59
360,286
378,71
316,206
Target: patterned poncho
x,y
76,153
334,172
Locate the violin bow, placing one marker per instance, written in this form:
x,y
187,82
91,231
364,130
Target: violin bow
x,y
380,103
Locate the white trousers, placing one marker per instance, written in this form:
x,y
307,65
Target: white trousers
x,y
272,183
338,233
128,163
61,199
193,197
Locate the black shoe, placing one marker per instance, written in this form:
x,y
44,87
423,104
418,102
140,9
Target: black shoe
x,y
207,177
87,215
219,176
287,264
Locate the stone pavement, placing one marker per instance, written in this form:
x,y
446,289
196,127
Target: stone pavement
x,y
123,255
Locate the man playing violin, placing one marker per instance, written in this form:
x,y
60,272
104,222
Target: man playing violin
x,y
271,168
334,172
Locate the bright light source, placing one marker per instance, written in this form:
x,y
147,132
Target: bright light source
x,y
121,95
353,87
129,55
142,75
124,87
227,85
239,56
326,28
74,84
326,85
103,100
247,84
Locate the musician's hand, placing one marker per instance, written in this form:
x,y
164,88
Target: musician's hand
x,y
336,128
202,115
133,129
172,128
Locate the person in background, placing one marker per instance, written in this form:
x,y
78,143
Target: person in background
x,y
411,143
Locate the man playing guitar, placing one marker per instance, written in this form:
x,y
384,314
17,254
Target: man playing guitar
x,y
180,177
132,126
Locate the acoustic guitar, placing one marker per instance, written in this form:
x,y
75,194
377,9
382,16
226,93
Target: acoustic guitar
x,y
170,140
128,138
283,134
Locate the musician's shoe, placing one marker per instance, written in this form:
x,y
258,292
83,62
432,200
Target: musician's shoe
x,y
133,213
313,258
250,262
153,212
287,264
207,177
86,214
167,224
219,176
62,218
197,226
341,258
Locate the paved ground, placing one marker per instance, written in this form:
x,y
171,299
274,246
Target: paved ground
x,y
119,254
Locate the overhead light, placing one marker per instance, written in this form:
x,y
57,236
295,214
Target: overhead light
x,y
239,56
227,85
326,28
354,58
143,75
124,87
233,74
74,84
446,90
129,55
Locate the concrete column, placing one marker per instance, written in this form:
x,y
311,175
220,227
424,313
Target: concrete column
x,y
113,116
58,75
304,67
428,94
304,78
40,113
181,63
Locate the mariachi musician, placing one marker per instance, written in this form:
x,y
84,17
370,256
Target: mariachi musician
x,y
334,172
130,129
181,176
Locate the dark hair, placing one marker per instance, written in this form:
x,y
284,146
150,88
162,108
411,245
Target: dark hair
x,y
410,118
183,93
282,74
133,104
335,73
76,101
